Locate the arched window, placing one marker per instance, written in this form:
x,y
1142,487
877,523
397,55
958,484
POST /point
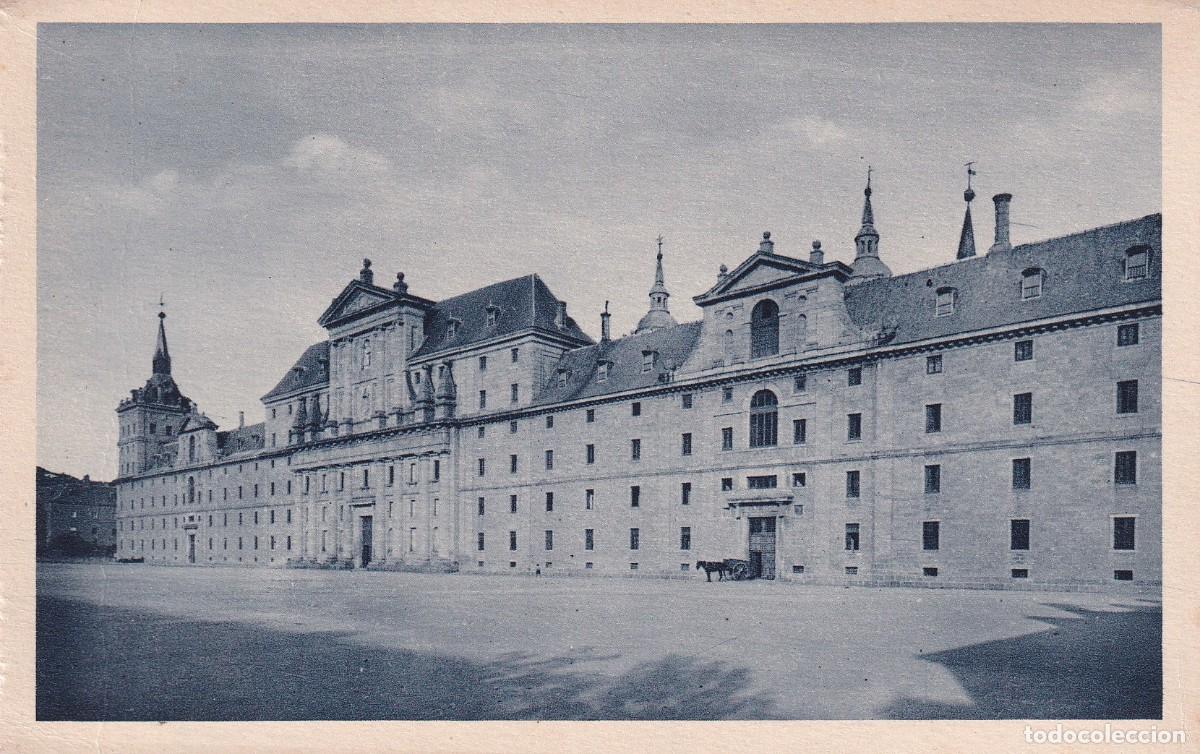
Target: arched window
x,y
764,329
366,353
191,490
727,346
1031,283
764,419
801,332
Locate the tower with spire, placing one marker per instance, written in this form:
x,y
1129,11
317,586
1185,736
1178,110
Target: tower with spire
x,y
150,418
966,240
658,316
867,264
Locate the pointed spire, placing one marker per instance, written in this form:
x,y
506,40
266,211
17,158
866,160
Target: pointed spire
x,y
659,315
966,241
162,357
867,264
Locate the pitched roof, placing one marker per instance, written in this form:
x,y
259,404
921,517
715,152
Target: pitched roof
x,y
1083,271
624,355
242,439
524,303
312,368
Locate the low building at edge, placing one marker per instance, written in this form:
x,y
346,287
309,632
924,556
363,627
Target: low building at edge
x,y
994,421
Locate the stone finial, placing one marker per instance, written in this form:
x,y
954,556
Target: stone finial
x,y
766,246
816,256
400,286
365,273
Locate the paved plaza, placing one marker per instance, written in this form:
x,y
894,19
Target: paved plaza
x,y
135,642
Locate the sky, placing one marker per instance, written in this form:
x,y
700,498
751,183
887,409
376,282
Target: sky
x,y
244,172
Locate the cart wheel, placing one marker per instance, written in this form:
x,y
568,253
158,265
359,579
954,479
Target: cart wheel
x,y
739,571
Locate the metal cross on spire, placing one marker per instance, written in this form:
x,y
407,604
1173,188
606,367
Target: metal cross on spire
x,y
660,240
970,172
161,307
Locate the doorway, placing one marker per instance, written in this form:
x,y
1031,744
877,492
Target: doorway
x,y
762,547
366,540
191,548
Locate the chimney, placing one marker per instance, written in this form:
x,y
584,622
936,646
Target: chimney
x,y
241,419
560,315
1002,243
766,246
816,256
605,328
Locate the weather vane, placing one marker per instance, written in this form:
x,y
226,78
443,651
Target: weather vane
x,y
970,172
660,240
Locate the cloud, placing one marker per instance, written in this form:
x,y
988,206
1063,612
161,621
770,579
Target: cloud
x,y
815,131
1122,93
320,152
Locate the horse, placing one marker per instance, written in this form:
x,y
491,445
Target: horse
x,y
709,566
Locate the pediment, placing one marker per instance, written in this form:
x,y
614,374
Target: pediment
x,y
757,272
356,297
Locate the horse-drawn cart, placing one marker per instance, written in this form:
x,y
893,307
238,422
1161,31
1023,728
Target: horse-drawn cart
x,y
737,569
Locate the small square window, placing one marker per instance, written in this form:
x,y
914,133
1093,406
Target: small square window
x,y
854,376
1123,574
799,479
797,569
726,484
726,394
1023,350
1020,573
1127,335
933,364
927,571
851,570
800,383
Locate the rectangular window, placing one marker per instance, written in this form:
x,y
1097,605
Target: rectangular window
x,y
516,355
1021,473
591,415
479,541
437,469
1023,408
482,504
515,391
685,493
685,538
799,431
853,427
589,539
549,421
591,453
854,376
799,383
764,482
933,479
1023,350
1137,264
726,395
1123,532
482,468
686,400
549,539
1127,397
726,484
686,442
799,479
636,408
852,483
589,499
944,306
549,502
635,450
634,539
1125,467
549,460
1020,573
1127,335
852,537
933,418
483,363
512,503
482,399
931,532
929,571
635,496
1018,534
1123,574
933,364
512,541
727,438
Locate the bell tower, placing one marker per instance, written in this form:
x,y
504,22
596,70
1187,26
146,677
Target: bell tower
x,y
150,418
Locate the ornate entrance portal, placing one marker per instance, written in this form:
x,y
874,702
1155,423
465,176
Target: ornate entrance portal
x,y
762,547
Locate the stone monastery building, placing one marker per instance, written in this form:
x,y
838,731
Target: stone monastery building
x,y
994,421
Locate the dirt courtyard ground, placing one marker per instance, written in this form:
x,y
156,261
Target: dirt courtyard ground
x,y
135,642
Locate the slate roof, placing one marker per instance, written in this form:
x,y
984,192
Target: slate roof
x,y
673,344
312,368
242,439
1083,271
525,302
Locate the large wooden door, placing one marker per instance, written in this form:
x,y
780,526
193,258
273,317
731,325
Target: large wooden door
x,y
366,540
762,547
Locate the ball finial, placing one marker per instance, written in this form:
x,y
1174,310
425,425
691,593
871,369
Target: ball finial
x,y
766,235
816,245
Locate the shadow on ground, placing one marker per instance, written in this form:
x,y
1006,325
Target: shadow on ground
x,y
102,663
1097,665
